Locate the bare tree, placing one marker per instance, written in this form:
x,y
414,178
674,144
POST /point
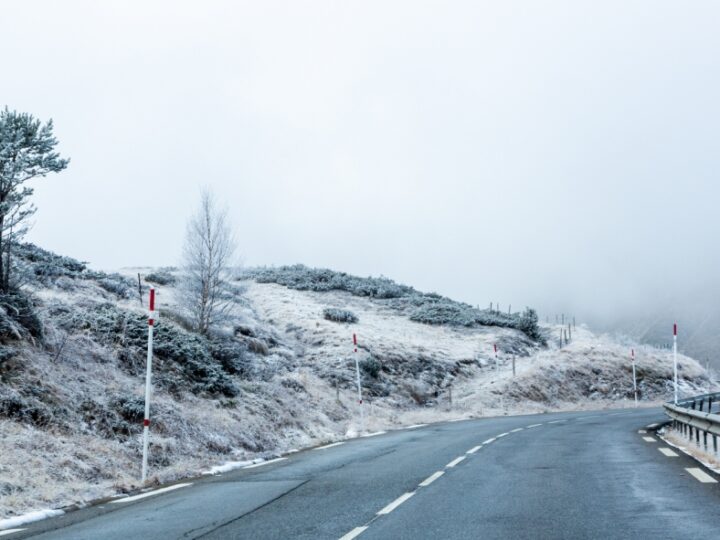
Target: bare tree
x,y
207,256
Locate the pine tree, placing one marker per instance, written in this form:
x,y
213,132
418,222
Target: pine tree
x,y
27,151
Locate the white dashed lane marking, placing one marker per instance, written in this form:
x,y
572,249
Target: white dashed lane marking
x,y
397,502
701,476
534,426
649,439
489,441
642,431
501,435
357,531
455,462
474,449
430,479
10,531
667,452
516,430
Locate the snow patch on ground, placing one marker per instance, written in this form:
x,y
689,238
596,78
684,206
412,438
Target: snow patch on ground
x,y
30,517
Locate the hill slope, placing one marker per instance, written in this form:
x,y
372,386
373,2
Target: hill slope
x,y
280,375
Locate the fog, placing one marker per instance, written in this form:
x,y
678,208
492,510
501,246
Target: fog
x,y
561,155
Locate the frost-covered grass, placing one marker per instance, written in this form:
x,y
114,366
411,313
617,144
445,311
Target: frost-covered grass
x,y
427,308
71,403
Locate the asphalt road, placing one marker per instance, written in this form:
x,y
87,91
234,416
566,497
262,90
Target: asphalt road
x,y
573,475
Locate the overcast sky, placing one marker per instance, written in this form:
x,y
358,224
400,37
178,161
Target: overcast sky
x,y
556,154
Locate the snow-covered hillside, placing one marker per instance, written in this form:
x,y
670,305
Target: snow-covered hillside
x,y
278,376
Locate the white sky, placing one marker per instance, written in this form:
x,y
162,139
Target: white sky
x,y
556,154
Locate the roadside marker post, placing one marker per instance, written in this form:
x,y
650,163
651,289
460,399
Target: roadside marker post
x,y
675,371
148,385
359,387
497,366
632,354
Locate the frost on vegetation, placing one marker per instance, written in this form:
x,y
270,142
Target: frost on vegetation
x,y
18,317
185,357
339,315
302,278
161,277
427,308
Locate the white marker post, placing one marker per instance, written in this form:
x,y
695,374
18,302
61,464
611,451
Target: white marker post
x,y
148,385
632,354
497,366
357,371
675,360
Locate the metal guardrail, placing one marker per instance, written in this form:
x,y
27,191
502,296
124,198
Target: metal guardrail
x,y
689,418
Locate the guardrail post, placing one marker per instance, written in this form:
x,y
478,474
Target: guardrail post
x,y
705,440
715,443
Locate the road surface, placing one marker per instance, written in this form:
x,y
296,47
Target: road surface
x,y
566,475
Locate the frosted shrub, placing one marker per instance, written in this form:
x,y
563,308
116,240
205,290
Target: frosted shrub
x,y
34,264
117,284
160,278
427,308
302,278
339,315
188,355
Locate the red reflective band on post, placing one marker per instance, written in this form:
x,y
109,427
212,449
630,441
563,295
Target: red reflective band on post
x,y
146,422
494,347
354,339
151,322
675,329
632,352
152,299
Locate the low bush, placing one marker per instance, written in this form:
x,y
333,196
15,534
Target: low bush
x,y
160,278
187,355
371,367
427,308
339,315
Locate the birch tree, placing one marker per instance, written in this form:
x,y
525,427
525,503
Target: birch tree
x,y
207,255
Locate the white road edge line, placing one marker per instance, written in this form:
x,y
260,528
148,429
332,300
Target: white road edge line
x,y
151,493
455,462
667,452
516,430
397,502
474,449
10,531
357,531
329,445
701,476
489,441
649,439
268,462
534,426
430,479
374,434
415,426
